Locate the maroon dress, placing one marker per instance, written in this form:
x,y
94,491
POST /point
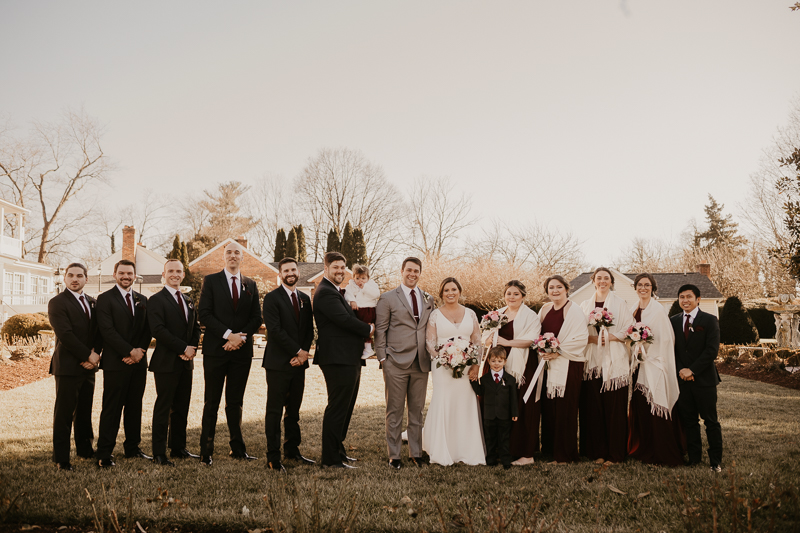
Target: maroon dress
x,y
652,439
604,420
560,415
525,431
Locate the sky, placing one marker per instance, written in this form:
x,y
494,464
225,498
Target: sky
x,y
611,119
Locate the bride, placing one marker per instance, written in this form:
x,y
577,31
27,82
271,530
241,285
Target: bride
x,y
452,430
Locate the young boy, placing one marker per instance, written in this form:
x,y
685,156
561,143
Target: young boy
x,y
499,391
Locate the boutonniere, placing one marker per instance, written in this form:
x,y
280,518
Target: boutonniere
x,y
426,297
189,303
691,327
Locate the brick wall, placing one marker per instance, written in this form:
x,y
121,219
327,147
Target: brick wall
x,y
251,267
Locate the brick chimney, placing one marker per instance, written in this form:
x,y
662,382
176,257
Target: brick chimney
x,y
704,269
129,243
242,241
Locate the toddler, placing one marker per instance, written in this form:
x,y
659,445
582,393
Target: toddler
x,y
499,392
363,295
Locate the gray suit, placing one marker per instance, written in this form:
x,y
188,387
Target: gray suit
x,y
400,346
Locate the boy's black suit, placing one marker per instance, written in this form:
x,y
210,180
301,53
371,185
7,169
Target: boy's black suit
x,y
499,407
174,328
699,397
340,343
287,334
222,369
123,384
76,336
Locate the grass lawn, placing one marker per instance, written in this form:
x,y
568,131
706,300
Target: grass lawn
x,y
760,424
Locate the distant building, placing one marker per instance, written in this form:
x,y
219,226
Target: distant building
x,y
27,285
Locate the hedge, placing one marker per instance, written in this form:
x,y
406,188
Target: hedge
x,y
25,325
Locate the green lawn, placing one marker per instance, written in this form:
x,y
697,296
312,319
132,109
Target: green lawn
x,y
761,424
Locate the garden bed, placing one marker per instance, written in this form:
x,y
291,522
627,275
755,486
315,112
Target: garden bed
x,y
18,373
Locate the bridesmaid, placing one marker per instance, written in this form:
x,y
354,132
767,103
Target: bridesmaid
x,y
604,392
654,434
559,407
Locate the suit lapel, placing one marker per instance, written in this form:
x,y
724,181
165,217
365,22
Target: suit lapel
x,y
121,301
402,296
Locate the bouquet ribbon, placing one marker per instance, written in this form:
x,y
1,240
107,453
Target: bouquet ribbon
x,y
493,334
536,380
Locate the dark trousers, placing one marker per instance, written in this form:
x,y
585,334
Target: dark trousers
x,y
342,383
497,434
74,396
560,418
698,401
603,421
230,374
171,410
284,397
122,391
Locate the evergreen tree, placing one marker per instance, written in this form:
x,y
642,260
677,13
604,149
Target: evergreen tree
x,y
291,245
722,230
348,244
334,244
280,246
359,248
301,244
175,253
185,256
675,309
735,325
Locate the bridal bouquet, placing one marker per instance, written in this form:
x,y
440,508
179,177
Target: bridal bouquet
x,y
457,353
493,320
600,318
546,343
638,335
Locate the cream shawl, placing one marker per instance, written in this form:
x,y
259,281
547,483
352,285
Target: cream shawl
x,y
657,379
610,362
572,339
526,327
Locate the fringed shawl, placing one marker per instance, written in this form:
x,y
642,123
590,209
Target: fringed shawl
x,y
572,342
611,362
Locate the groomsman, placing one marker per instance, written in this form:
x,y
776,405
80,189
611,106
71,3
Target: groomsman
x,y
229,309
340,343
175,327
74,363
696,348
122,318
290,331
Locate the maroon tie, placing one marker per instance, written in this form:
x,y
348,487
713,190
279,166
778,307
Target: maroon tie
x,y
180,303
128,300
342,291
85,309
686,328
497,378
414,304
234,292
296,307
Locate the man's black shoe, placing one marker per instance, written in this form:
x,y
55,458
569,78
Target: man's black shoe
x,y
64,467
300,458
106,463
89,455
342,466
395,463
348,459
243,456
162,460
417,461
206,460
138,454
277,467
183,454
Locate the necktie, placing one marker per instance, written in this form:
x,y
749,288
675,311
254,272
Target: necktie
x,y
342,291
414,304
686,328
180,303
497,378
296,307
85,309
234,292
128,300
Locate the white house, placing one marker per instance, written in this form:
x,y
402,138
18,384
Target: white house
x,y
27,285
668,283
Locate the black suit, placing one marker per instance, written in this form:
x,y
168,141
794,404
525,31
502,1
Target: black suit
x,y
218,314
699,397
123,384
499,407
173,331
287,334
76,336
340,343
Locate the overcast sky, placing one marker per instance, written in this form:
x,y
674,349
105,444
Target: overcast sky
x,y
611,119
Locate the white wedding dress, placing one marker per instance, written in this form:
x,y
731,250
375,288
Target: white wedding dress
x,y
452,431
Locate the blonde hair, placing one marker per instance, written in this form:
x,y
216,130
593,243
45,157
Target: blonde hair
x,y
360,270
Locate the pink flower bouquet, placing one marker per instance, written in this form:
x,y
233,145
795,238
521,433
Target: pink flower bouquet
x,y
493,320
546,343
639,334
457,353
600,317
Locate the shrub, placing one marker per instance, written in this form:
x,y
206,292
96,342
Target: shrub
x,y
25,325
675,309
735,325
764,321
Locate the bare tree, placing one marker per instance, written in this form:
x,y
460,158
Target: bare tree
x,y
46,172
341,185
650,255
271,197
437,214
217,213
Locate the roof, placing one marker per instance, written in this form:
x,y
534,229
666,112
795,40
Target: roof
x,y
668,283
306,271
147,279
225,243
13,208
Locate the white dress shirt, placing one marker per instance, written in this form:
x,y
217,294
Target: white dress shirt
x,y
497,375
693,315
238,278
78,296
173,292
124,295
418,294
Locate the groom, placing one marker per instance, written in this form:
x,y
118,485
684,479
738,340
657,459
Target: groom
x,y
400,346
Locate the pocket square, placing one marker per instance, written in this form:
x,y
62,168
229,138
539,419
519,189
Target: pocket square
x,y
699,328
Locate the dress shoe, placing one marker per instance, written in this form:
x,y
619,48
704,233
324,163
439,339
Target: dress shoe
x,y
395,463
183,454
301,459
65,467
138,454
276,466
342,466
162,460
89,455
417,461
689,462
348,459
491,463
243,456
106,463
716,469
206,460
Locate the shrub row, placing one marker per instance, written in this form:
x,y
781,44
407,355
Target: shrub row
x,y
25,325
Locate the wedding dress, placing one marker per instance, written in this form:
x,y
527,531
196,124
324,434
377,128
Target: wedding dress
x,y
452,431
